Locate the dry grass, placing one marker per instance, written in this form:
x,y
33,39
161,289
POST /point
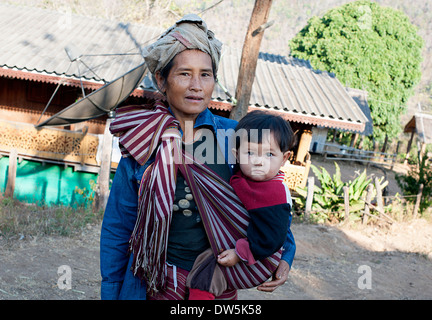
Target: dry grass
x,y
20,220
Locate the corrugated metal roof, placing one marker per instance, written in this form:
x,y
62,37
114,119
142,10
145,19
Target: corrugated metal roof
x,y
360,97
293,87
34,40
421,123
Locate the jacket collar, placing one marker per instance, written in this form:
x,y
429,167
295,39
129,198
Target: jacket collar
x,y
205,118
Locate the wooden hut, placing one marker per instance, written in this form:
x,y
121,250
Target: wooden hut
x,y
420,124
49,60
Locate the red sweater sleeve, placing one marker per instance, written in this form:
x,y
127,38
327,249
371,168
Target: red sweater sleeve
x,y
244,252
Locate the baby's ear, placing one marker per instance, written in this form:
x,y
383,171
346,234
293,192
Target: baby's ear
x,y
286,156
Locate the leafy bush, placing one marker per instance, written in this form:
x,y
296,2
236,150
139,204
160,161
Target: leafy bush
x,y
410,184
328,199
371,47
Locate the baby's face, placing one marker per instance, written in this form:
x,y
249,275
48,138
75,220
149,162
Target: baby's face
x,y
261,161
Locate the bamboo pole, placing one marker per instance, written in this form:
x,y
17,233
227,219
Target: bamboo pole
x,y
105,169
10,186
309,197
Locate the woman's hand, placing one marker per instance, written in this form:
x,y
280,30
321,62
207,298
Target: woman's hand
x,y
228,258
279,278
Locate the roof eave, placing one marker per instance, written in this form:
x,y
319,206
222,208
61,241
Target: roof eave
x,y
22,74
300,118
15,73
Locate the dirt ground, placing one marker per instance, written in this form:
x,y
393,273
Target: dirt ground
x,y
332,262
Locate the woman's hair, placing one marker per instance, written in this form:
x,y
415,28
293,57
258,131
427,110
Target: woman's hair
x,y
188,33
166,70
254,124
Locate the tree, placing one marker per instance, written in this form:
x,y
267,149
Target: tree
x,y
368,47
249,57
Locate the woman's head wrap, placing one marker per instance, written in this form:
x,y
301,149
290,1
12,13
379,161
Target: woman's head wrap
x,y
190,32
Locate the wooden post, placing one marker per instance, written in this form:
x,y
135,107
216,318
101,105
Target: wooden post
x,y
395,155
304,145
384,147
249,58
409,148
10,186
376,151
309,197
368,201
380,202
422,151
418,200
105,169
360,146
346,202
334,135
354,138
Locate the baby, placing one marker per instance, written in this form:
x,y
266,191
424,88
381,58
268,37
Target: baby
x,y
262,148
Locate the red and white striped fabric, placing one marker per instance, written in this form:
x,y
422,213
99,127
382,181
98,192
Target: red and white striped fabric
x,y
225,219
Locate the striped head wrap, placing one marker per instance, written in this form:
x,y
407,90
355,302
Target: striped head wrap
x,y
190,32
143,132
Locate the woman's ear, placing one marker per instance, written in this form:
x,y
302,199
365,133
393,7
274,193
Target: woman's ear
x,y
160,82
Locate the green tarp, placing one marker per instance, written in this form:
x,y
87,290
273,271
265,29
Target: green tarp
x,y
49,184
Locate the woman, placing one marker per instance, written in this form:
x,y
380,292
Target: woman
x,y
135,242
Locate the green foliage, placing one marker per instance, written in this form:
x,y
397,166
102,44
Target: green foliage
x,y
410,183
369,47
328,200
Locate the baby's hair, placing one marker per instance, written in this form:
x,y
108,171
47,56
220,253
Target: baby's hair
x,y
255,123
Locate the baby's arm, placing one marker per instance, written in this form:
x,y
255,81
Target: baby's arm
x,y
242,252
228,258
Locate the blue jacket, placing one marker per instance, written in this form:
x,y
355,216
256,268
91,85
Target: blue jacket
x,y
118,281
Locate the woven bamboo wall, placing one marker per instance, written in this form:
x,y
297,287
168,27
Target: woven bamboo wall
x,y
48,143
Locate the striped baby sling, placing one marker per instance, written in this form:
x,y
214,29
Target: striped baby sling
x,y
145,132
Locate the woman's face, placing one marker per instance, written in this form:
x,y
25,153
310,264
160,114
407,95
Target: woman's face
x,y
189,85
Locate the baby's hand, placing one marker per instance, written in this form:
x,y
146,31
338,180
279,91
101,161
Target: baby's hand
x,y
228,258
